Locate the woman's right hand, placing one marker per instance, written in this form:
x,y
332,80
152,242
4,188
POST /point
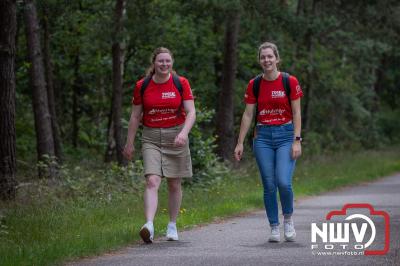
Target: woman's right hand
x,y
128,151
238,152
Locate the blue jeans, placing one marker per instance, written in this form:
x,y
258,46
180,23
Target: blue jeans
x,y
272,149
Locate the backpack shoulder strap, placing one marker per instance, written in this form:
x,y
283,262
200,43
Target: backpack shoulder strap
x,y
286,84
175,78
256,86
178,84
145,83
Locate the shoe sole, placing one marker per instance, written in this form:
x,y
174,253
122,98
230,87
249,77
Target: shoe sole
x,y
273,240
172,239
145,235
291,239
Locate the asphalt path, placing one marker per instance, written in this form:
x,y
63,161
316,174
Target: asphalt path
x,y
243,240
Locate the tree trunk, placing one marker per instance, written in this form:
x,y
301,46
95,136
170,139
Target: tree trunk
x,y
8,168
308,85
300,7
118,55
50,87
76,88
225,115
379,85
110,151
300,10
44,132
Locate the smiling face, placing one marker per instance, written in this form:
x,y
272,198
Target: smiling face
x,y
268,60
163,63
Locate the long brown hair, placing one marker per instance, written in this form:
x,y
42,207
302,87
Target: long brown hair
x,y
151,70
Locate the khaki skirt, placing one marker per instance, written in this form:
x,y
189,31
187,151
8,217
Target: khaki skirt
x,y
161,157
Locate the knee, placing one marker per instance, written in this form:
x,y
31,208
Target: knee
x,y
285,187
269,188
174,185
153,182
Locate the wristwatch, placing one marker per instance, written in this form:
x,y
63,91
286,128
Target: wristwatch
x,y
298,138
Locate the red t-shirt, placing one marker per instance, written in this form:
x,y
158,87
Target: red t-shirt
x,y
161,102
273,104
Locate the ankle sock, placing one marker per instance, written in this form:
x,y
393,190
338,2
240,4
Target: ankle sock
x,y
150,223
287,218
172,224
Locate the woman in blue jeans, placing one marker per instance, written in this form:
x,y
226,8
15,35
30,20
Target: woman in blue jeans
x,y
277,138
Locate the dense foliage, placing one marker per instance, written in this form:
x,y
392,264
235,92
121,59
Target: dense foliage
x,y
344,53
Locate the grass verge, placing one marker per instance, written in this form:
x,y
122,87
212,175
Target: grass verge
x,y
50,232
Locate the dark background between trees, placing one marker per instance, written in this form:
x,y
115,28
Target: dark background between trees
x,y
67,71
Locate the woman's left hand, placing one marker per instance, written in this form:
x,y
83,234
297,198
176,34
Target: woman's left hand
x,y
296,149
181,139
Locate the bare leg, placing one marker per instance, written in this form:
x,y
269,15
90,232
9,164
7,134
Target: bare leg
x,y
174,197
151,196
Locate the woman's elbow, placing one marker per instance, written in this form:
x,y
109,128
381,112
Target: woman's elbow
x,y
193,116
296,113
136,118
247,116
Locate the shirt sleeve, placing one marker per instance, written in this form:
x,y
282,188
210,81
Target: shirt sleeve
x,y
295,89
187,91
249,97
137,98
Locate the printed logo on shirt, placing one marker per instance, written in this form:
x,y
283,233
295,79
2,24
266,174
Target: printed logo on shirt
x,y
273,120
168,95
278,94
161,111
271,111
163,118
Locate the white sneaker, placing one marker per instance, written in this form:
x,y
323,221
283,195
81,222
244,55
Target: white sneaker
x,y
275,234
289,232
172,232
147,232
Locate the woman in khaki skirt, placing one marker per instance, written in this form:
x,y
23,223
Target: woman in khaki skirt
x,y
166,102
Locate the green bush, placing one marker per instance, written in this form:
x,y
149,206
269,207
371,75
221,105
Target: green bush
x,y
207,168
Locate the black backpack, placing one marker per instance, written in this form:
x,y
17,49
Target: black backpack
x,y
256,90
177,83
175,78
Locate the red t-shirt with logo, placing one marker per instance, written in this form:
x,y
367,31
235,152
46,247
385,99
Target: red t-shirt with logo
x,y
273,104
161,102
